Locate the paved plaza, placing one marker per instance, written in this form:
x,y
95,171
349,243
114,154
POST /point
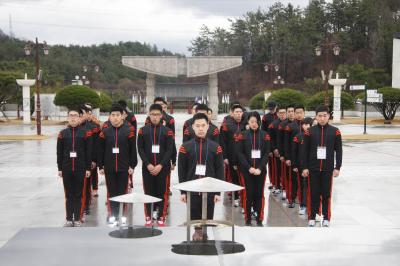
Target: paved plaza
x,y
364,196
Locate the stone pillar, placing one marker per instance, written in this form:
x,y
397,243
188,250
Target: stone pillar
x,y
26,97
213,94
150,89
337,91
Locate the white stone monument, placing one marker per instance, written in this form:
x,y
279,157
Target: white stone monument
x,y
172,66
396,62
337,91
26,97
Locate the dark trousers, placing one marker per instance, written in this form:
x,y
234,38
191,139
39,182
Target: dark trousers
x,y
254,195
74,193
196,206
235,178
295,188
117,184
156,186
320,188
276,172
94,177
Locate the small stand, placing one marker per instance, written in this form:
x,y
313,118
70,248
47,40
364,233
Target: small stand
x,y
207,247
131,231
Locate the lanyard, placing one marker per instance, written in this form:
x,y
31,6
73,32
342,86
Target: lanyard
x,y
201,150
115,135
253,141
73,139
155,134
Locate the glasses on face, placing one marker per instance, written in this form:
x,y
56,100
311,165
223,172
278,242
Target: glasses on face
x,y
155,115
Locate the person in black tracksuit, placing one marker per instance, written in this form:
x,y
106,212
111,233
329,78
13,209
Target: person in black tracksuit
x,y
92,125
297,159
155,146
117,157
198,158
212,132
253,153
74,158
276,162
267,120
232,125
291,130
323,148
286,171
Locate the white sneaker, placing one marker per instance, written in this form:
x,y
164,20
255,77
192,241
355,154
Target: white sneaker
x,y
78,224
123,220
236,204
318,218
311,223
325,223
242,211
283,197
155,215
111,220
148,222
302,210
68,224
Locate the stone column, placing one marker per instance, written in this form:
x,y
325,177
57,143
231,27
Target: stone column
x,y
213,94
150,89
26,97
337,91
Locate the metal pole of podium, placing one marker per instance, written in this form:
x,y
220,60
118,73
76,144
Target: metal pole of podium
x,y
204,214
130,217
121,208
233,216
188,202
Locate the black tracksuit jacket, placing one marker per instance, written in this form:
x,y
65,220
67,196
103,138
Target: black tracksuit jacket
x,y
329,137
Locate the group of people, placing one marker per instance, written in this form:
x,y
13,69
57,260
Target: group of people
x,y
300,156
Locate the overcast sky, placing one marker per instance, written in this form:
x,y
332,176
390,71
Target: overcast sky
x,y
169,24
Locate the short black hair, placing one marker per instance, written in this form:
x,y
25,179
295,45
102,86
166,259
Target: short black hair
x,y
254,114
210,110
289,106
160,99
122,103
74,109
321,109
308,120
199,116
299,106
117,108
271,105
235,106
202,107
234,103
155,106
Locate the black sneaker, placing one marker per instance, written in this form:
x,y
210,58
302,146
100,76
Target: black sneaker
x,y
291,205
270,187
87,211
248,223
260,223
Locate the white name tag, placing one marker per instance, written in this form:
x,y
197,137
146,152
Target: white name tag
x,y
72,154
255,154
321,153
201,169
115,150
155,148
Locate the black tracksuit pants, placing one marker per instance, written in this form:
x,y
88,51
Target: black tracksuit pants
x,y
196,206
156,186
117,184
320,188
254,195
94,176
235,178
74,193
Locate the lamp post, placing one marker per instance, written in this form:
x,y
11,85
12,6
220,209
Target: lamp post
x,y
86,68
327,48
271,68
35,46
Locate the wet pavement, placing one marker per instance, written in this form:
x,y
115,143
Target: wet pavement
x,y
31,194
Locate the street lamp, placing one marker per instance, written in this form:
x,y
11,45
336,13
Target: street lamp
x,y
327,48
29,47
86,68
269,67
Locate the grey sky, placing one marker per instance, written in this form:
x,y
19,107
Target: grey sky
x,y
169,24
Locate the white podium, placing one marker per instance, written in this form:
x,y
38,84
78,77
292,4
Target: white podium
x,y
207,247
133,231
